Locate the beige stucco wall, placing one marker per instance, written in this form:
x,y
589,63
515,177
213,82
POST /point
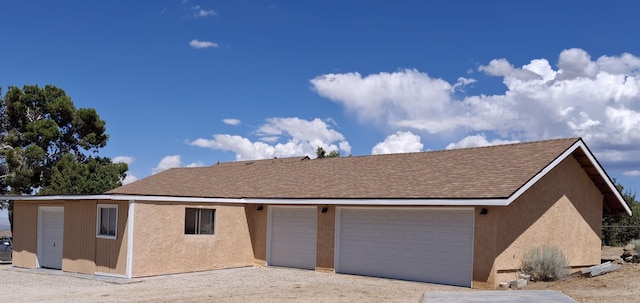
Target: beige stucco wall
x,y
161,247
563,209
325,242
256,216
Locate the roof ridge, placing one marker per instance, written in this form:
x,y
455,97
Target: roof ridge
x,y
289,160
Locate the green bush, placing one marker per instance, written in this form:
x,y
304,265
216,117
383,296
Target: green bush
x,y
545,263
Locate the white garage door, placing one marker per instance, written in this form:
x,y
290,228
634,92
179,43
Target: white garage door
x,y
292,237
428,245
50,236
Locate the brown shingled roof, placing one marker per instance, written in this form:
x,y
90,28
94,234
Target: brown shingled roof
x,y
474,173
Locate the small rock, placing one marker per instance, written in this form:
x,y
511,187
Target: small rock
x,y
631,252
518,284
504,285
628,259
629,247
526,277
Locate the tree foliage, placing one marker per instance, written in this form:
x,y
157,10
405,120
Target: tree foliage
x,y
321,153
619,230
47,145
92,176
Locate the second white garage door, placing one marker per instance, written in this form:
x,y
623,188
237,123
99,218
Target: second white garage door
x,y
292,237
428,245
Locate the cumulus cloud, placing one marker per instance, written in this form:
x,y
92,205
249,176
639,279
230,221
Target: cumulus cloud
x,y
173,161
197,44
477,141
168,162
196,164
597,99
231,121
129,179
632,173
280,137
123,159
400,142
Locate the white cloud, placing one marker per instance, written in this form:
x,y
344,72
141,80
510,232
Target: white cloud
x,y
394,98
598,100
204,12
129,179
168,162
632,173
575,63
400,142
462,83
197,44
199,12
231,121
478,140
196,164
123,159
285,137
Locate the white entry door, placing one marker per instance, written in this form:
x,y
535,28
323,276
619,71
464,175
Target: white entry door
x,y
292,237
418,244
50,236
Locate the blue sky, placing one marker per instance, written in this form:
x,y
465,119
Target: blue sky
x,y
191,83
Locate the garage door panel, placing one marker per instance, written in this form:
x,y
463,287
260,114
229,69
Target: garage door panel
x,y
412,244
51,227
293,237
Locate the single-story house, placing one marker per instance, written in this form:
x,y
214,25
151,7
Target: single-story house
x,y
460,217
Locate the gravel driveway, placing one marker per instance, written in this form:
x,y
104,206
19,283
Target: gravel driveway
x,y
246,284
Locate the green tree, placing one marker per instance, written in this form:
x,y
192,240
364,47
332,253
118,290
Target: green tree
x,y
46,142
321,153
95,175
619,230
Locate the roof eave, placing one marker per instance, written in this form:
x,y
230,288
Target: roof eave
x,y
579,144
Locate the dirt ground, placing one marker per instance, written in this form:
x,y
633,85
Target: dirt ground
x,y
621,286
279,285
275,285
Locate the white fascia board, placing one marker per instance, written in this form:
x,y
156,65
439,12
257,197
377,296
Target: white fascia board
x,y
388,202
123,198
272,201
557,161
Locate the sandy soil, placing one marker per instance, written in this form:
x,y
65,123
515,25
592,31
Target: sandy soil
x,y
621,286
232,285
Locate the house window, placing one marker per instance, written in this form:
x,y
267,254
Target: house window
x,y
107,223
199,221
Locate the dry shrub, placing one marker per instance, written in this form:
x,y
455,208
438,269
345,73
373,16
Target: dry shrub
x,y
545,263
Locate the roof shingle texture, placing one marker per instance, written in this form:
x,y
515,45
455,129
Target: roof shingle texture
x,y
474,173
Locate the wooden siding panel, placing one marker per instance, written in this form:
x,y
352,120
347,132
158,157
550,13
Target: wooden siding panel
x,y
79,236
25,234
111,254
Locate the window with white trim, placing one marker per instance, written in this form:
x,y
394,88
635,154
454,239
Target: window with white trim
x,y
107,223
199,221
